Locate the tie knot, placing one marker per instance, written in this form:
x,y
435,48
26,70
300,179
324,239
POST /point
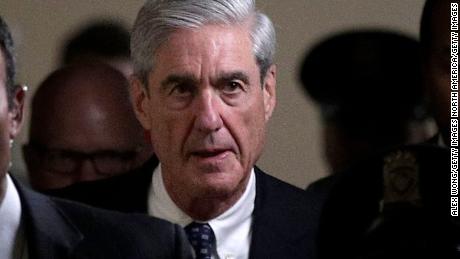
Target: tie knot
x,y
201,238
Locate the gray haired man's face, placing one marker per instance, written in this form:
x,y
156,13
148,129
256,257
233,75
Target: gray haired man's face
x,y
206,110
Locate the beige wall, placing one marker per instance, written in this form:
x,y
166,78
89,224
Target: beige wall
x,y
293,150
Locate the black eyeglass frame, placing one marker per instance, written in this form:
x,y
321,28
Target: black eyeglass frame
x,y
105,162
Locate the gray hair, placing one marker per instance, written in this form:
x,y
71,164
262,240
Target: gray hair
x,y
157,19
7,48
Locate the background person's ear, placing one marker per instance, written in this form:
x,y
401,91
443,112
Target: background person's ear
x,y
16,111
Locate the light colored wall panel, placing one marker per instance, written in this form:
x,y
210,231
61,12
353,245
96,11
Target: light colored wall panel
x,y
293,150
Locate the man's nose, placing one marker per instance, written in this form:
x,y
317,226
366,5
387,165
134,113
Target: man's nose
x,y
207,109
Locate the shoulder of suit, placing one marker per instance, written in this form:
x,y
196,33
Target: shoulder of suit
x,y
87,215
98,224
266,180
274,194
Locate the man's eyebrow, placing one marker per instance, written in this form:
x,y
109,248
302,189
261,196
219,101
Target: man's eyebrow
x,y
191,79
176,79
228,76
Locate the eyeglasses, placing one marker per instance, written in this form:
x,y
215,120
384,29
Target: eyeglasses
x,y
105,162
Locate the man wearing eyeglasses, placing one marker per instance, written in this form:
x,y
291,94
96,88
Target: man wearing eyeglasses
x,y
83,128
36,226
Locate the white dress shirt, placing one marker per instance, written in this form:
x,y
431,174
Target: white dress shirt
x,y
232,228
11,237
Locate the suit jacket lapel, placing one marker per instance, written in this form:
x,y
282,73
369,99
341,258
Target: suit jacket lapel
x,y
280,224
50,234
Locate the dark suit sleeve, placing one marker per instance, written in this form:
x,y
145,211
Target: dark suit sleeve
x,y
110,234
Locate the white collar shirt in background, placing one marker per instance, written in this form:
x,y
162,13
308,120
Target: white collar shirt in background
x,y
12,239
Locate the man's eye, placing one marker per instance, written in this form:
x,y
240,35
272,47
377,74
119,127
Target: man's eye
x,y
181,90
232,87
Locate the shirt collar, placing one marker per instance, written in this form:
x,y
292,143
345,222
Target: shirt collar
x,y
10,219
232,228
162,206
160,203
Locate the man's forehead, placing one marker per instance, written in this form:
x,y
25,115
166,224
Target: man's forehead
x,y
185,46
208,33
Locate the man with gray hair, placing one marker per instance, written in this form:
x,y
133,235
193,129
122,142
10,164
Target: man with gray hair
x,y
36,226
204,87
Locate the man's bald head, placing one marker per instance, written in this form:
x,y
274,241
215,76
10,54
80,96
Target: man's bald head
x,y
81,110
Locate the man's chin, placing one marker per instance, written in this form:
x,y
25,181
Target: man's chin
x,y
219,184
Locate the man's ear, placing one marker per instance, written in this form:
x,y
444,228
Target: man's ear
x,y
269,89
16,110
140,100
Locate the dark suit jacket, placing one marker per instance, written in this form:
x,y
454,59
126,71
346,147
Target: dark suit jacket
x,y
285,217
285,220
126,193
354,225
58,229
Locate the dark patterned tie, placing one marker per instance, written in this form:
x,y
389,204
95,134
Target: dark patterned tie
x,y
201,238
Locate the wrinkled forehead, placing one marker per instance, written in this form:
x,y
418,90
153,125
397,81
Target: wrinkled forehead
x,y
243,27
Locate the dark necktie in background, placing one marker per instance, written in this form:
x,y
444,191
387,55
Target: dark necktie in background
x,y
201,238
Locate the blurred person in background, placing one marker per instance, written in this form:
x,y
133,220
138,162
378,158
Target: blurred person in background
x,y
83,128
367,84
435,41
36,226
399,203
104,41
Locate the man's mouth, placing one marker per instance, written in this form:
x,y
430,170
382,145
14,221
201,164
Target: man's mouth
x,y
211,153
